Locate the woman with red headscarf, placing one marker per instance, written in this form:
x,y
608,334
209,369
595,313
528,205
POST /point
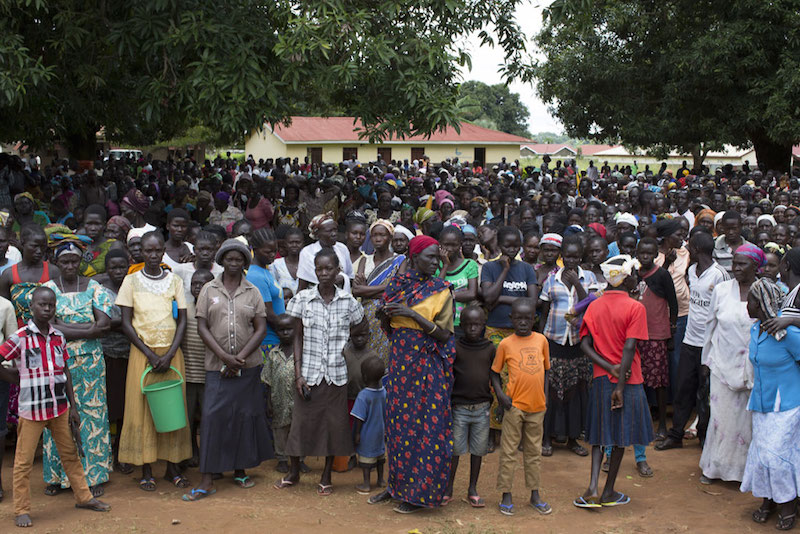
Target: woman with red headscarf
x,y
418,318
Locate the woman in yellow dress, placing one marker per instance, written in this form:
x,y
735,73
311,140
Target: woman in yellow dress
x,y
145,299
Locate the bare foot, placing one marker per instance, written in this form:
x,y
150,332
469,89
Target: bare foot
x,y
23,521
363,489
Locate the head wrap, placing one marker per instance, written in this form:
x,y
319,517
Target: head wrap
x,y
770,299
66,248
599,229
388,176
551,239
120,222
469,229
233,244
667,227
627,218
767,217
137,201
402,230
706,213
447,201
754,253
222,195
442,194
718,217
573,229
422,215
618,268
420,243
25,195
482,201
364,191
383,222
774,248
58,234
317,222
136,232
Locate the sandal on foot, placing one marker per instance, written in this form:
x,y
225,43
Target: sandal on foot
x,y
761,515
52,490
475,501
197,494
380,497
283,484
179,481
547,450
579,450
606,466
619,501
147,484
94,505
786,522
125,469
97,491
361,490
446,500
582,502
324,489
506,509
244,482
407,508
542,507
644,470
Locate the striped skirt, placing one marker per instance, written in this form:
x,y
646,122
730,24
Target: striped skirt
x,y
629,425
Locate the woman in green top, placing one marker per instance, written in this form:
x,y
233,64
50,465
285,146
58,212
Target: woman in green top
x,y
461,272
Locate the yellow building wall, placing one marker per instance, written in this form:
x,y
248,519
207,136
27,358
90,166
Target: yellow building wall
x,y
264,144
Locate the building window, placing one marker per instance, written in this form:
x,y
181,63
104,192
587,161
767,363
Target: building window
x,y
385,154
349,153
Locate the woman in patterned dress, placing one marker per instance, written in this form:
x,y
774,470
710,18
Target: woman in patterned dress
x,y
82,315
418,314
373,274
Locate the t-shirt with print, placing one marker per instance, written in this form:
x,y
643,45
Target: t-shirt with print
x,y
460,278
527,359
612,319
700,290
520,276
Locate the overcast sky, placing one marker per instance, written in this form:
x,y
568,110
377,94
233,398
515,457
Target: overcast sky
x,y
486,62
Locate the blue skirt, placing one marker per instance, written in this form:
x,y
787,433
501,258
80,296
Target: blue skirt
x,y
630,425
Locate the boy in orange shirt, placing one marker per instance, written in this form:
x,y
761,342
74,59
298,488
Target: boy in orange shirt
x,y
527,356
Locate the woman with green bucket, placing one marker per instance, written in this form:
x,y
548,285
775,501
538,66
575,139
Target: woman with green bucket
x,y
232,321
145,299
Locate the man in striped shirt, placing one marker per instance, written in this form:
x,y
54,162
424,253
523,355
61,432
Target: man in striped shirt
x,y
40,354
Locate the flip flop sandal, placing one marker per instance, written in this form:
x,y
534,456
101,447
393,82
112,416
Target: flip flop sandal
x,y
97,491
761,515
543,508
197,494
52,490
446,500
581,502
147,484
407,508
475,501
785,522
579,450
645,471
380,497
547,451
244,482
179,481
622,499
324,490
506,509
283,484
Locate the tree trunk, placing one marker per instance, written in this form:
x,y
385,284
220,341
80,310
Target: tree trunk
x,y
698,155
771,155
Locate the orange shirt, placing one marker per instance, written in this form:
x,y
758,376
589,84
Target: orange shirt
x,y
527,359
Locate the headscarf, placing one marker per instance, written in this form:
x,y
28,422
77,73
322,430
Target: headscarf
x,y
774,248
422,215
718,217
573,229
137,201
754,253
767,217
383,222
402,230
770,299
551,239
222,195
667,227
469,229
66,248
618,268
317,222
441,195
120,222
447,201
708,212
420,243
626,218
25,195
136,232
482,201
364,191
599,229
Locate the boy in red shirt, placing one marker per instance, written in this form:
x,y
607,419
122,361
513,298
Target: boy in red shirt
x,y
618,414
527,355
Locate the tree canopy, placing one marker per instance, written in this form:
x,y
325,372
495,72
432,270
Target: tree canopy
x,y
148,70
494,106
682,74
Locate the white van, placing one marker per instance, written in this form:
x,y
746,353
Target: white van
x,y
119,153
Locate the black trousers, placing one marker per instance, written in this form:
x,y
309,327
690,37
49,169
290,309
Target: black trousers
x,y
692,392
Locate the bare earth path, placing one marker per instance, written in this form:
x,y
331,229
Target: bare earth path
x,y
672,501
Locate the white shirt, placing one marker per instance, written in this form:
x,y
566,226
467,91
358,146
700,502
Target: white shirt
x,y
166,258
185,271
700,290
305,266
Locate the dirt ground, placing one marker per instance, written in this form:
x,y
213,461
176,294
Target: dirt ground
x,y
672,501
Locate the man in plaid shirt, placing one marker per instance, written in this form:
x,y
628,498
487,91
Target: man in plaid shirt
x,y
45,396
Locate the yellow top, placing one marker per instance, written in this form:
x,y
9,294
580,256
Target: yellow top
x,y
151,301
437,308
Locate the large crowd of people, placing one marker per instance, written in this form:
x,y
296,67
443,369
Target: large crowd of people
x,y
393,316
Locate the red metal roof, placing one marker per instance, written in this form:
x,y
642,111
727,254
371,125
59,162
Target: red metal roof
x,y
344,129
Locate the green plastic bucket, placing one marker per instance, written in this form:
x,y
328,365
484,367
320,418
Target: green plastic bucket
x,y
166,402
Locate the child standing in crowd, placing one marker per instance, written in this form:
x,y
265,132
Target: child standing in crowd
x,y
194,357
40,352
278,374
368,412
526,355
618,412
471,400
355,353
